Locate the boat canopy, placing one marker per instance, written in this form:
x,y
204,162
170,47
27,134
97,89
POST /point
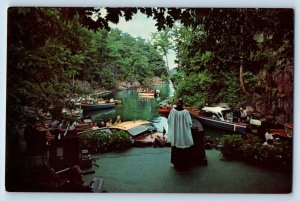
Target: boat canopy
x,y
133,127
221,113
137,130
215,109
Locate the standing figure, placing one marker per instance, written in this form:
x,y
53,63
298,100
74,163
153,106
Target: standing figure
x,y
180,135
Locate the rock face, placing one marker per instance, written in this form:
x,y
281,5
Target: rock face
x,y
279,92
123,85
84,85
157,81
127,85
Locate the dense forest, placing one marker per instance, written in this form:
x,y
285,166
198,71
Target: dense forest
x,y
239,56
52,55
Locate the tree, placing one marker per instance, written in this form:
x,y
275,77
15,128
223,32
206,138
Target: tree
x,y
162,42
240,41
41,65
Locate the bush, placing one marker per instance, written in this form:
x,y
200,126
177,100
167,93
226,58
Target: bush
x,y
231,146
250,148
100,141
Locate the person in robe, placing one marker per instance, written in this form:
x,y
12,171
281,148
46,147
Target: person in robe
x,y
180,135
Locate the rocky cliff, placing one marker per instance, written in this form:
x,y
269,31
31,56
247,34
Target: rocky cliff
x,y
278,97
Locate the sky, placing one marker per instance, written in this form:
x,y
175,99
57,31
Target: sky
x,y
141,26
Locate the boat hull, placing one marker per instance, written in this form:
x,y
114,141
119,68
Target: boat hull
x,y
146,94
164,110
229,126
97,106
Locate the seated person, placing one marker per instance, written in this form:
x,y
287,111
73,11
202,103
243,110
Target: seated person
x,y
268,135
269,142
64,124
101,124
269,138
109,123
118,120
45,129
94,126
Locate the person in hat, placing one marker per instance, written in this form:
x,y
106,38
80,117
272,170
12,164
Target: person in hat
x,y
180,135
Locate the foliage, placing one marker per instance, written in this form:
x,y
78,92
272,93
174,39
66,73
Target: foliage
x,y
41,65
236,45
231,146
43,68
100,141
195,88
162,41
221,42
176,77
250,148
231,89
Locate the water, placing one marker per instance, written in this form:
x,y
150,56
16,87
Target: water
x,y
135,107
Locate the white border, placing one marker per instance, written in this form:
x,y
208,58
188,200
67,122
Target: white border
x,y
4,4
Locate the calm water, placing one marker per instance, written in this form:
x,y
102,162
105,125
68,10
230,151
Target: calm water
x,y
135,107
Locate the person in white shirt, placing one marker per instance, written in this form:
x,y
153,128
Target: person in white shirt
x,y
180,135
269,138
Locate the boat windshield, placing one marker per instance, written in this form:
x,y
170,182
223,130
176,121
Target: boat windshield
x,y
227,115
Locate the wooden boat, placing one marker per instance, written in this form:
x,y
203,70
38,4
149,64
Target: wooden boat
x,y
108,101
164,110
146,94
287,132
97,106
142,132
118,101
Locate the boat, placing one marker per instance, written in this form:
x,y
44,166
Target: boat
x,y
287,132
110,101
118,101
97,106
148,92
220,117
164,110
142,132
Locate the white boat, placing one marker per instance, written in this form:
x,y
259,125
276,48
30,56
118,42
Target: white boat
x,y
222,118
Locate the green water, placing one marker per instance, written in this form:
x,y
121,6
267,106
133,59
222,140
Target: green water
x,y
135,107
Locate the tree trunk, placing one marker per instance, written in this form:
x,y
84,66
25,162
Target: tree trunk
x,y
242,86
167,64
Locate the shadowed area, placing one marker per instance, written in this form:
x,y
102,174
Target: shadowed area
x,y
148,170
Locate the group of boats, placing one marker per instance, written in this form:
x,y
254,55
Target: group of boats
x,y
220,117
95,104
223,117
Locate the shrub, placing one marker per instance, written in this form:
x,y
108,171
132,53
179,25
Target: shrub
x,y
100,141
250,148
231,146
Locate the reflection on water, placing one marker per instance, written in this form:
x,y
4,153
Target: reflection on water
x,y
135,107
